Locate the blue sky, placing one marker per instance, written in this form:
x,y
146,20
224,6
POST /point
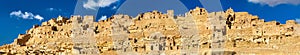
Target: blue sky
x,y
17,16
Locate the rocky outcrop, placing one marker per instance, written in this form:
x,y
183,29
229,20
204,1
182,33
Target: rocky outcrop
x,y
195,32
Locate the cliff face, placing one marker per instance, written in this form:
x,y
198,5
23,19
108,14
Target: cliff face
x,y
196,32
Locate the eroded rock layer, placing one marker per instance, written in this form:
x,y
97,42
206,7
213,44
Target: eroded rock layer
x,y
154,33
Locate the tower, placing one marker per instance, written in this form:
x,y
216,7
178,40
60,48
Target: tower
x,y
83,35
170,13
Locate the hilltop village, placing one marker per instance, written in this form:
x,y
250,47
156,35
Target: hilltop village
x,y
154,33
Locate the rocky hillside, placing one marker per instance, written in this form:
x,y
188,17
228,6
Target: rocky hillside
x,y
153,33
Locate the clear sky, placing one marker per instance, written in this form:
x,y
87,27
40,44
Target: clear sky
x,y
17,16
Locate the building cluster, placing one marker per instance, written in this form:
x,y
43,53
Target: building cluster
x,y
154,33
